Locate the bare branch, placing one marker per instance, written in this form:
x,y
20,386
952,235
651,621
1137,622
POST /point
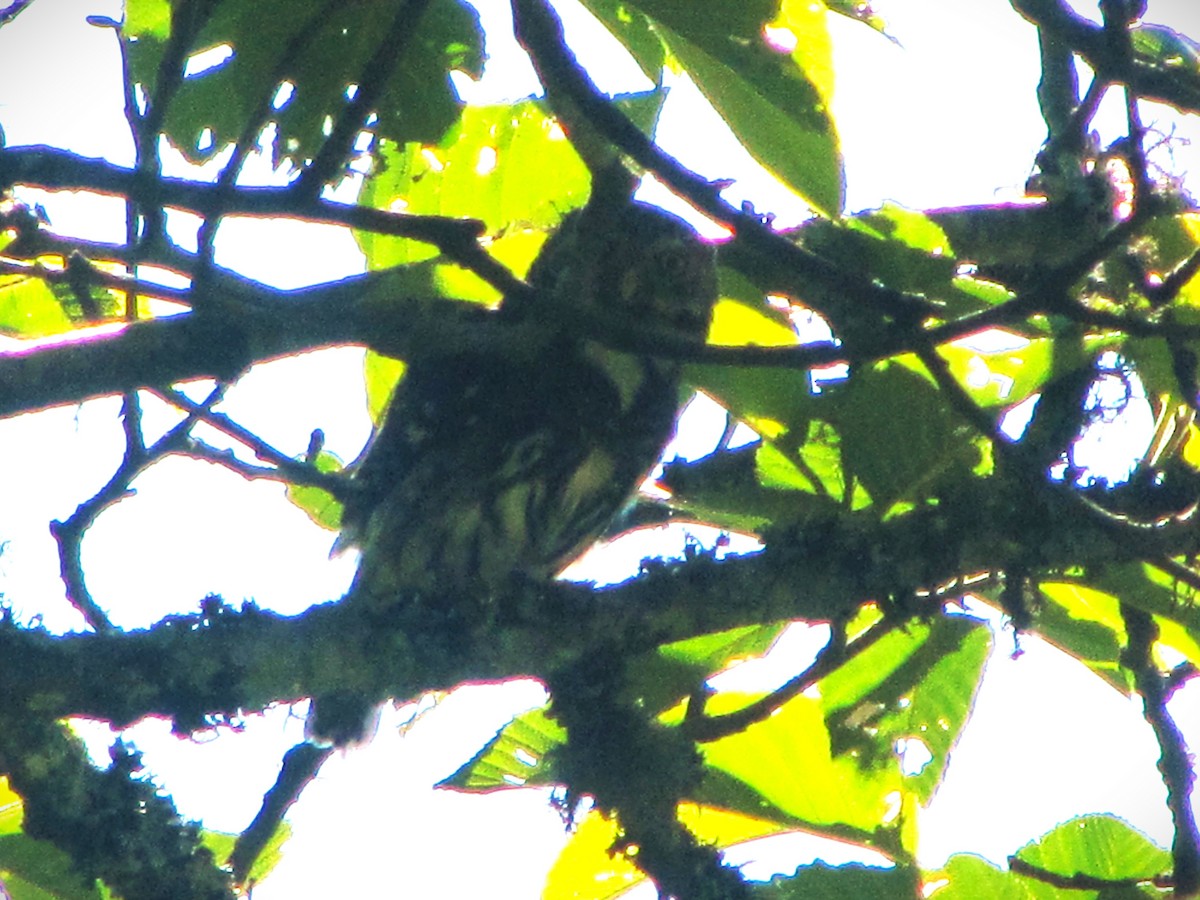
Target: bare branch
x,y
833,655
1079,881
54,169
1174,763
69,534
300,766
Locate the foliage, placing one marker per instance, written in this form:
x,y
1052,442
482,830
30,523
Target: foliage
x,y
883,495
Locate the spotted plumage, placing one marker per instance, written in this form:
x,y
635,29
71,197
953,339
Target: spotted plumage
x,y
487,466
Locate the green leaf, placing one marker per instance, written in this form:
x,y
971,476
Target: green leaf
x,y
739,324
1015,238
916,685
907,250
986,293
724,489
661,678
907,227
1152,360
509,165
33,869
821,880
1087,624
860,11
381,374
587,869
775,102
969,877
520,753
1173,55
506,165
1170,239
708,653
897,434
1099,846
416,103
317,503
634,30
1166,48
29,308
221,844
770,481
762,397
1003,377
1084,616
770,400
820,464
148,19
516,757
1159,593
783,769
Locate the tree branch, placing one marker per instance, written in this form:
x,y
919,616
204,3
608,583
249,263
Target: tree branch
x,y
1091,42
371,82
833,655
1080,881
285,468
53,169
539,31
262,324
113,824
300,766
1174,763
69,534
807,572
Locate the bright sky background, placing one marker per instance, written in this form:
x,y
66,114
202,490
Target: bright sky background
x,y
949,119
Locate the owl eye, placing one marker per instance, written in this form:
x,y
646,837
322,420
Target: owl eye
x,y
677,263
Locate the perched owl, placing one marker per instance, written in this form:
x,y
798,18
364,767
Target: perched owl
x,y
488,467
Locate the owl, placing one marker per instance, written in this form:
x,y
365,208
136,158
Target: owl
x,y
490,466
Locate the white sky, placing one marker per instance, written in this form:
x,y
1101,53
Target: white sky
x,y
950,119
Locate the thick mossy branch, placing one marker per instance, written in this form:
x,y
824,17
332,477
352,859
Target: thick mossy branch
x,y
222,661
638,771
194,668
114,825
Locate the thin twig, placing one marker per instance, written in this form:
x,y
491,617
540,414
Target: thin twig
x,y
1079,881
132,286
18,7
836,653
69,534
307,32
187,18
286,468
55,169
371,82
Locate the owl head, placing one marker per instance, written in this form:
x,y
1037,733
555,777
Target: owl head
x,y
632,260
